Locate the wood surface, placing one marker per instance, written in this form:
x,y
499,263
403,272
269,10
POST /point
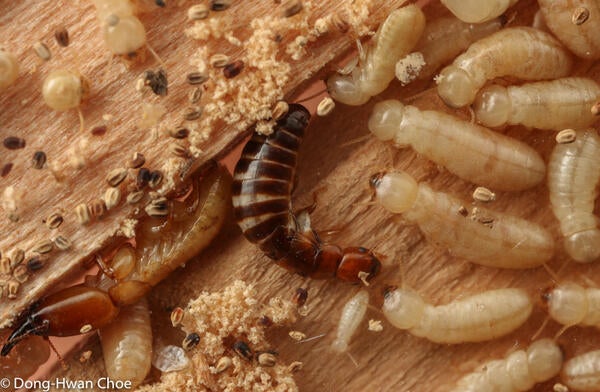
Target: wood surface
x,y
335,165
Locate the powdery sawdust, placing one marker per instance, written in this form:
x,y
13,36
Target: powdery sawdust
x,y
231,315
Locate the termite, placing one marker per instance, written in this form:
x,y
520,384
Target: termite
x,y
352,315
162,244
476,318
487,238
521,52
573,176
395,38
576,24
262,187
582,373
470,151
9,69
554,105
477,11
445,38
519,371
570,304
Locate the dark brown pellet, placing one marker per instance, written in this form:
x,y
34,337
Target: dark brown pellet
x,y
292,8
62,37
155,179
143,178
36,263
179,133
39,159
14,143
137,161
232,70
190,341
220,5
243,350
99,130
160,3
6,169
196,78
300,296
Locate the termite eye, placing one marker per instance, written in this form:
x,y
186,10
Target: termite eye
x,y
375,180
387,290
363,250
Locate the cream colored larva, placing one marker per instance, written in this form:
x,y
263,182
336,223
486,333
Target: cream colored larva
x,y
477,318
123,32
477,11
582,373
352,315
9,69
487,238
570,304
573,176
576,24
470,151
395,38
519,371
554,105
127,344
445,38
521,52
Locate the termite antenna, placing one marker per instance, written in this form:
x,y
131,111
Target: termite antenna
x,y
356,140
63,364
552,274
540,329
561,331
312,96
311,338
155,55
352,359
81,120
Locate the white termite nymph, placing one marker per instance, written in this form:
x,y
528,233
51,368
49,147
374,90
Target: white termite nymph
x,y
445,38
555,105
470,151
477,11
582,373
64,90
521,52
573,176
571,304
352,315
581,38
395,38
519,371
127,344
488,238
476,318
9,69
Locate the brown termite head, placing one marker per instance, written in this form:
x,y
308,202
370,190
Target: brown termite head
x,y
396,192
356,260
566,303
64,90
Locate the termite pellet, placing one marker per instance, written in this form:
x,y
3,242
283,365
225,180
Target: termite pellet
x,y
98,130
325,107
281,108
340,22
179,133
291,8
85,328
137,160
6,169
36,263
242,349
158,208
558,387
116,176
220,5
580,15
297,335
43,247
197,12
9,69
196,78
375,325
177,316
300,296
160,3
5,266
62,37
83,213
192,113
195,95
54,220
155,179
42,51
13,143
62,242
20,273
267,359
142,178
135,197
112,197
38,160
219,60
190,341
13,288
295,366
483,194
232,70
97,208
223,364
566,136
179,150
17,256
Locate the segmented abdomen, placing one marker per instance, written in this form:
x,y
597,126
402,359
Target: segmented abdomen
x,y
263,181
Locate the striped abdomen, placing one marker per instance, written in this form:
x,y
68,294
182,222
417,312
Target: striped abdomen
x,y
263,181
